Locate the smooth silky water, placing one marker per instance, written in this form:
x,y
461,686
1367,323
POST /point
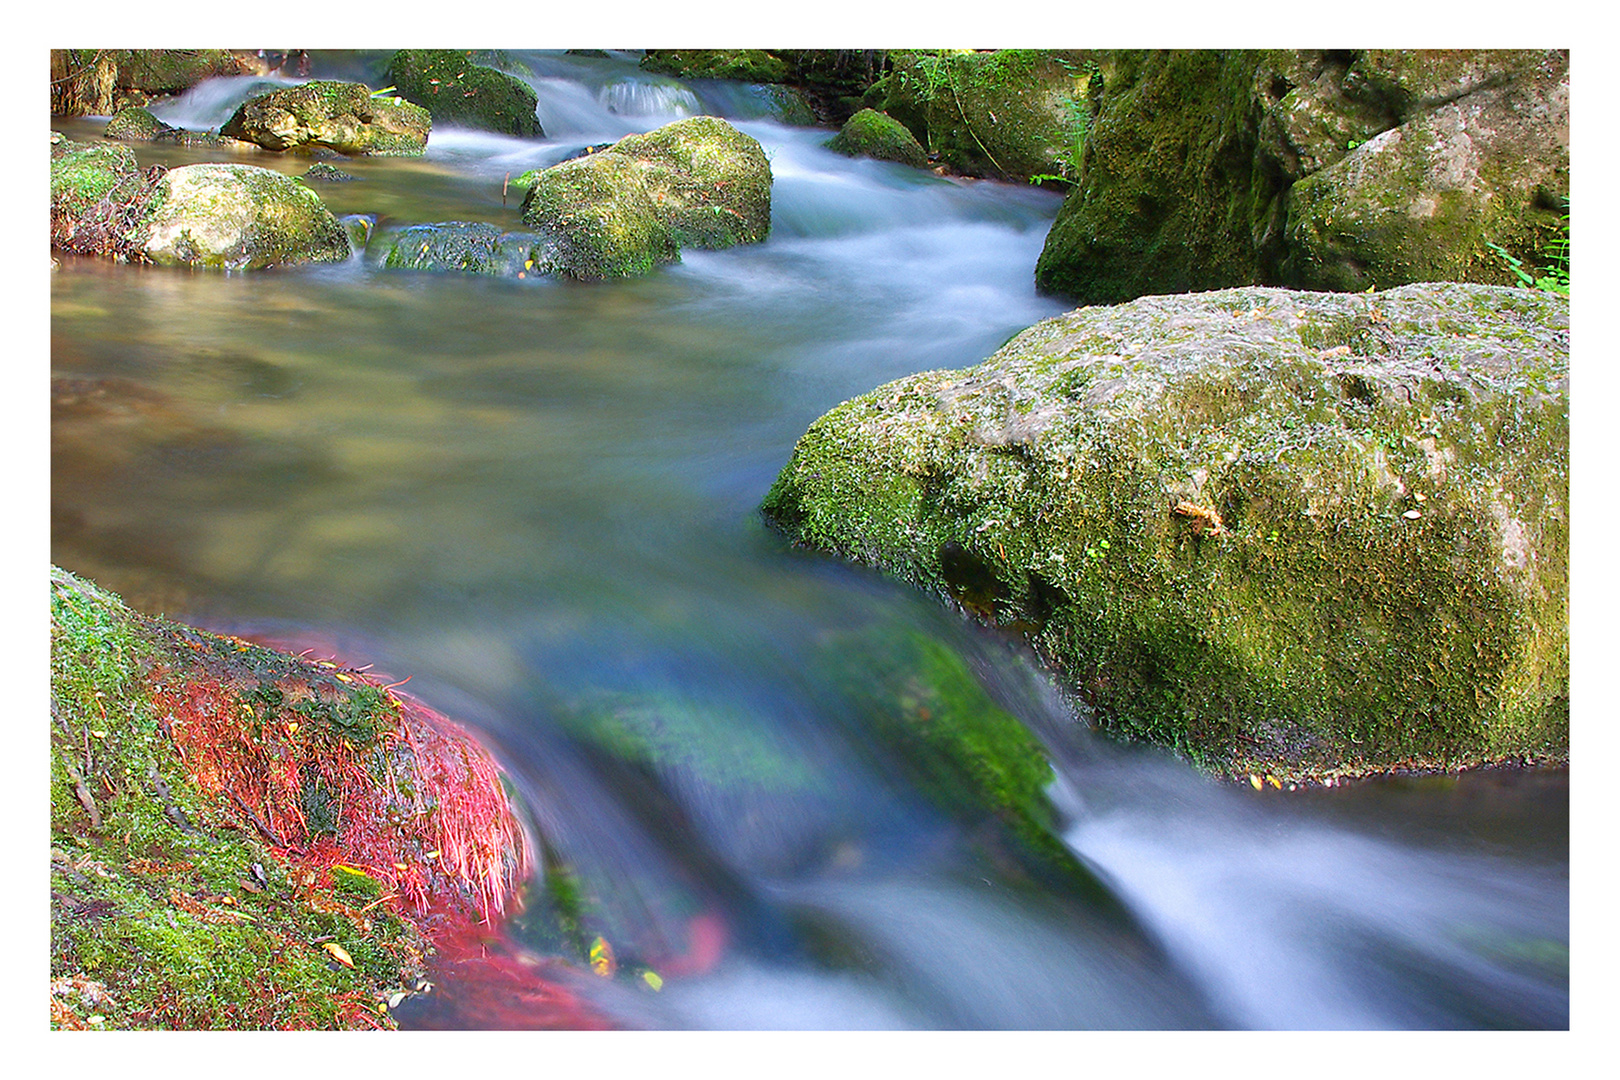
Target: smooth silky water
x,y
539,500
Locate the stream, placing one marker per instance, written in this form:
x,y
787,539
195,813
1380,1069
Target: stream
x,y
538,499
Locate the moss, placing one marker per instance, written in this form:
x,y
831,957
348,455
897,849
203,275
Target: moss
x,y
872,134
744,65
1380,575
341,116
237,217
135,124
1001,113
596,220
623,210
471,247
158,897
457,91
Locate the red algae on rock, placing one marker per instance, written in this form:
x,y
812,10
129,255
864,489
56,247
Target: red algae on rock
x,y
245,838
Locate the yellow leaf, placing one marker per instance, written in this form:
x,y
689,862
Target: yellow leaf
x,y
339,953
602,961
652,979
1256,782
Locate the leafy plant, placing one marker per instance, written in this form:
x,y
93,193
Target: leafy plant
x,y
1554,277
1070,156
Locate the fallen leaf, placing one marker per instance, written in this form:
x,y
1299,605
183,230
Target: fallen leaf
x,y
339,953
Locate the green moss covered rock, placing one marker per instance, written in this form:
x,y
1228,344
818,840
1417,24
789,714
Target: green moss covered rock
x,y
237,217
1005,113
341,116
1339,169
743,65
621,211
872,134
135,124
456,91
97,191
1299,533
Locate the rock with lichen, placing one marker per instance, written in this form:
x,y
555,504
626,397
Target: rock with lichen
x,y
1298,533
341,116
236,217
622,211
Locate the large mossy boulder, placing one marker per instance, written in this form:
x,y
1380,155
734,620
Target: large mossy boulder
x,y
1299,533
872,134
236,217
1007,113
456,91
341,116
621,211
1347,169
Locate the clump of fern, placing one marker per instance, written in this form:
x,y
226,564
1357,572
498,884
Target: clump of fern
x,y
1554,277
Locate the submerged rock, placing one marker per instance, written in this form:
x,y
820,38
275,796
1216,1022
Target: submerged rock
x,y
457,91
1338,169
872,134
237,217
467,247
341,116
621,211
1283,532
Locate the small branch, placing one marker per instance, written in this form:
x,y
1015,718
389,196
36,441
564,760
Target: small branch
x,y
82,791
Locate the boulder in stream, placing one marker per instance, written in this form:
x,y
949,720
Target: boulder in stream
x,y
456,91
1305,534
872,134
236,217
694,183
342,116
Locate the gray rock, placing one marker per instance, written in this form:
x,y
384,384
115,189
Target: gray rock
x,y
1298,533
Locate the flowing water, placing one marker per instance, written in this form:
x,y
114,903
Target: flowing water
x,y
538,499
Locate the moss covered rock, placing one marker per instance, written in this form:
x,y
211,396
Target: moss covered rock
x,y
872,134
1346,169
341,116
621,211
1005,113
743,65
205,872
237,217
135,124
456,91
1298,533
97,194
